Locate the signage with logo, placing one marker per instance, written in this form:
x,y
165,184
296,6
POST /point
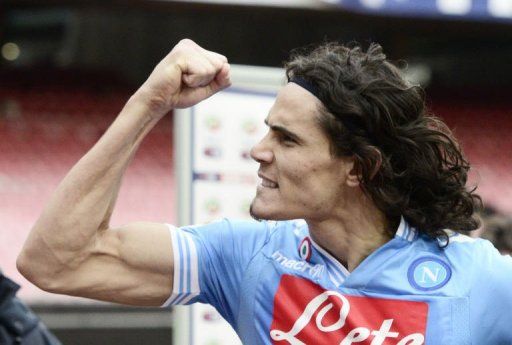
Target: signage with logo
x,y
491,10
216,176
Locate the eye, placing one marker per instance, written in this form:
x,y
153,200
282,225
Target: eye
x,y
286,140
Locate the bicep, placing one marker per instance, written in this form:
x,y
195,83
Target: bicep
x,y
132,264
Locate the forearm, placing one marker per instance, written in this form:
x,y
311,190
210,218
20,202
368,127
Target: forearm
x,y
82,204
71,248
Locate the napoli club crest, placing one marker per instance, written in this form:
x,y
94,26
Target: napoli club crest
x,y
429,273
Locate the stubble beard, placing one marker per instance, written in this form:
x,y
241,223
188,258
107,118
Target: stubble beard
x,y
252,213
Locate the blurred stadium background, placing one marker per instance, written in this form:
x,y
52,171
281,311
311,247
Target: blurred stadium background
x,y
67,67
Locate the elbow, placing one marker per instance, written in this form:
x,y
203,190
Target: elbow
x,y
26,266
35,272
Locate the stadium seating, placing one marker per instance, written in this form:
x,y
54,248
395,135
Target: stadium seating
x,y
49,120
44,130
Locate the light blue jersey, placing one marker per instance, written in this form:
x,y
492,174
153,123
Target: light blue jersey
x,y
275,285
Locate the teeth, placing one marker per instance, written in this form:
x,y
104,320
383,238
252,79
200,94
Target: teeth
x,y
268,184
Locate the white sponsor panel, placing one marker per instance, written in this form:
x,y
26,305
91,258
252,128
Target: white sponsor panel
x,y
454,7
373,4
226,126
216,176
216,200
500,8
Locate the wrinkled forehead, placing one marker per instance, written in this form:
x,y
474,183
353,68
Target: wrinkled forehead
x,y
295,104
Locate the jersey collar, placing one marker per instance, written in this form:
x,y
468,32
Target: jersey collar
x,y
339,273
405,231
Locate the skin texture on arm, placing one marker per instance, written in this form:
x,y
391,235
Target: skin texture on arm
x,y
71,249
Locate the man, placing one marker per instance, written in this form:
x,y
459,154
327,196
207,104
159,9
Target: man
x,y
18,324
351,151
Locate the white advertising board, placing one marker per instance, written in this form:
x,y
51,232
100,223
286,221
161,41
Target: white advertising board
x,y
216,176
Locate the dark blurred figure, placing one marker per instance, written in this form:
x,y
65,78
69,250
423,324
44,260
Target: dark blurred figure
x,y
498,230
18,324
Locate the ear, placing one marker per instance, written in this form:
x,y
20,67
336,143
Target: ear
x,y
353,172
372,163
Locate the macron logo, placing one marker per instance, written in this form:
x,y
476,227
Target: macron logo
x,y
302,266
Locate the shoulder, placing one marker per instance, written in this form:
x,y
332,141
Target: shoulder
x,y
468,251
272,229
226,225
466,247
479,258
460,244
245,232
465,259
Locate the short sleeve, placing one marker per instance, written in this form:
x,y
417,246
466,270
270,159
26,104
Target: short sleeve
x,y
491,296
210,262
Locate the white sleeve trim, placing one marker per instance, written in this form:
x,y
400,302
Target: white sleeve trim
x,y
186,269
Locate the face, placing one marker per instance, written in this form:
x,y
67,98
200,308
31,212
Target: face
x,y
299,176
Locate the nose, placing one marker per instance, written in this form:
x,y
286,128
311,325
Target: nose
x,y
261,152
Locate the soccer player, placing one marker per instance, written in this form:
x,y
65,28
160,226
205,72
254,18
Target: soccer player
x,y
361,197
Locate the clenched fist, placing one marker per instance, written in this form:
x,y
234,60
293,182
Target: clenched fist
x,y
186,76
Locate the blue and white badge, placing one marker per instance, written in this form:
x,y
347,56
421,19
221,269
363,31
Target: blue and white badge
x,y
305,249
429,273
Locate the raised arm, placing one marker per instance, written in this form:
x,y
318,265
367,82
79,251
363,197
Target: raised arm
x,y
71,248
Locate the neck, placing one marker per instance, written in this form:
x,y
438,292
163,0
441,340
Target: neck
x,y
353,234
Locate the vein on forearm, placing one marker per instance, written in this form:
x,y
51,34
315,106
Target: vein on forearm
x,y
83,203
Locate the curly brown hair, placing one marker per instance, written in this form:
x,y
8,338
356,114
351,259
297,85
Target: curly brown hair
x,y
410,164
